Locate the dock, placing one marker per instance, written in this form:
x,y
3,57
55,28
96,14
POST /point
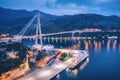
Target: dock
x,y
49,72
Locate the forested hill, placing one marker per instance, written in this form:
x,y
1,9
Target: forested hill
x,y
12,21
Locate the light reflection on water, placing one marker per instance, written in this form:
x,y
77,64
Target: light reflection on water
x,y
114,44
95,62
87,44
108,45
73,73
82,66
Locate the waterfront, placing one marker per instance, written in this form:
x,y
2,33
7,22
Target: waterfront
x,y
59,40
102,64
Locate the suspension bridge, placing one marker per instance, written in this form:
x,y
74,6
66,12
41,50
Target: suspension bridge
x,y
33,30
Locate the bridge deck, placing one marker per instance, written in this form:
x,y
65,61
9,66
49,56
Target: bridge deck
x,y
49,72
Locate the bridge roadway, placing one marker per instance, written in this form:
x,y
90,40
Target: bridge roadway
x,y
49,72
58,33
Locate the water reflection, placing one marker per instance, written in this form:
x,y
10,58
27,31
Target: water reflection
x,y
89,41
58,77
108,45
48,39
103,41
81,44
71,73
82,66
65,40
114,44
56,40
75,71
97,45
86,45
52,39
76,46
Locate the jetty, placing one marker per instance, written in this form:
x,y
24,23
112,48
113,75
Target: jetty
x,y
48,72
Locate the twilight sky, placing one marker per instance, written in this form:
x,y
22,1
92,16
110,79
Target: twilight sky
x,y
66,7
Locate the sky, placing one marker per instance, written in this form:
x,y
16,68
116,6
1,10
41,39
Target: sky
x,y
66,7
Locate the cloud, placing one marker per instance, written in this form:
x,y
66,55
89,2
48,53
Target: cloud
x,y
103,1
71,9
27,4
43,3
52,7
65,7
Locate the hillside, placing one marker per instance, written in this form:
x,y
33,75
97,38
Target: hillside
x,y
12,21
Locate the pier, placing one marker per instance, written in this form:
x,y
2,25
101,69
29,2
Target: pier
x,y
49,72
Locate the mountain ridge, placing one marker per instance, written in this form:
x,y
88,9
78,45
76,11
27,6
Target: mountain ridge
x,y
12,21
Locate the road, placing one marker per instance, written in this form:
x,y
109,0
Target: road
x,y
49,72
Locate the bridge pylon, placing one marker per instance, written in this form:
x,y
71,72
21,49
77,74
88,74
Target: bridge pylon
x,y
73,38
38,35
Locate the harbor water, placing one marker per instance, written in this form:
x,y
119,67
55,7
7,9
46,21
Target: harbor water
x,y
103,62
